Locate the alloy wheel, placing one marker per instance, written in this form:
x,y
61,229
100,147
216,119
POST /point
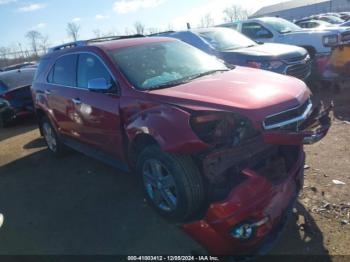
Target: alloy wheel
x,y
160,185
49,137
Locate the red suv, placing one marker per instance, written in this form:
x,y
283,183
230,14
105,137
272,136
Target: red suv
x,y
218,148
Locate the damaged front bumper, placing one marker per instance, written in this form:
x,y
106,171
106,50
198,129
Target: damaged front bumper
x,y
267,172
257,201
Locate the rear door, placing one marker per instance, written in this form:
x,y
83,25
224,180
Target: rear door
x,y
59,94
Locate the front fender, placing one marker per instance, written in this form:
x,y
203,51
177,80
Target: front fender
x,y
169,126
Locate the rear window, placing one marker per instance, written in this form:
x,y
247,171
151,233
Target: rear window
x,y
64,71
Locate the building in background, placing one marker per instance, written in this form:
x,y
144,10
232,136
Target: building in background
x,y
297,9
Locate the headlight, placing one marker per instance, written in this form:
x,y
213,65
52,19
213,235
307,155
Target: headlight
x,y
221,127
330,40
247,229
267,65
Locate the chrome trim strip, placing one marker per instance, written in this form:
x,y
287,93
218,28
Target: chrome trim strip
x,y
306,113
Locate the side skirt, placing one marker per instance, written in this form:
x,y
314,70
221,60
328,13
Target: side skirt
x,y
94,153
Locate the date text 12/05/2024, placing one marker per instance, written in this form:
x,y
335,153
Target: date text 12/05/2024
x,y
173,258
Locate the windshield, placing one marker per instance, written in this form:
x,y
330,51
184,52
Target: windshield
x,y
226,39
164,64
332,19
280,25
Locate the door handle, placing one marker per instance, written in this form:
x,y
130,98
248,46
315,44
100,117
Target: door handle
x,y
76,101
48,92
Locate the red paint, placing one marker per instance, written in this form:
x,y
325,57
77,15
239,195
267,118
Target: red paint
x,y
254,199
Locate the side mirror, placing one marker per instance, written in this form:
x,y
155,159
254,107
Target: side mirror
x,y
98,84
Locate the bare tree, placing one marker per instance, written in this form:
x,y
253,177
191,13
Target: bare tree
x,y
235,12
206,21
97,33
139,28
34,38
44,43
127,31
153,30
170,27
73,30
21,49
3,53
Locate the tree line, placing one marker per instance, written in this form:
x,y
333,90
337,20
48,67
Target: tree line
x,y
39,43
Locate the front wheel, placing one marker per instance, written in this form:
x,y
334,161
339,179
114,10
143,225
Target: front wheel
x,y
172,183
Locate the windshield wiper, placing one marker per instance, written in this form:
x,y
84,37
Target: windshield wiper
x,y
207,73
169,84
185,80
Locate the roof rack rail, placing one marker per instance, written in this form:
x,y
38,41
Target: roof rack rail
x,y
161,33
93,40
114,37
67,45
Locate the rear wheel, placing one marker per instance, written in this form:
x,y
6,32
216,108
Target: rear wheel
x,y
51,138
172,183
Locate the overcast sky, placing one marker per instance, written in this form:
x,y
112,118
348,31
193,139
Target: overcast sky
x,y
51,17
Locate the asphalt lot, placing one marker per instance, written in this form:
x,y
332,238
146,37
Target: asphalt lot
x,y
74,205
77,205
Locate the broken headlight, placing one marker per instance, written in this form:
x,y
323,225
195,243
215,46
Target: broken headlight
x,y
330,40
221,127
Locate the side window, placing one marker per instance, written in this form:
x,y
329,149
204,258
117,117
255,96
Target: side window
x,y
50,76
64,71
41,67
255,31
90,67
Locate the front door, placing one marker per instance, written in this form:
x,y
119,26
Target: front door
x,y
98,112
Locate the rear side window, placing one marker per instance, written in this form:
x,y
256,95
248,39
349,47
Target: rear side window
x,y
41,67
255,31
64,71
90,67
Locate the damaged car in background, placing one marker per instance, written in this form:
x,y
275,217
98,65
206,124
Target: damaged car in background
x,y
15,95
218,149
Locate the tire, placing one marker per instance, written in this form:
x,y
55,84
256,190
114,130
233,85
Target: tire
x,y
172,183
52,140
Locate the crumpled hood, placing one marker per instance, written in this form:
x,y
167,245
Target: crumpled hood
x,y
267,52
251,92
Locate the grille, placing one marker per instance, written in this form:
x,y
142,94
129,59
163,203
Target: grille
x,y
300,71
288,119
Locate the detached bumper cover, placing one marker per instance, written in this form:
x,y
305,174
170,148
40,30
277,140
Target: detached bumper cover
x,y
253,200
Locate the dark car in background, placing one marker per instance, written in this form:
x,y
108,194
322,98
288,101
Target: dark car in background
x,y
15,94
330,18
237,49
312,23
